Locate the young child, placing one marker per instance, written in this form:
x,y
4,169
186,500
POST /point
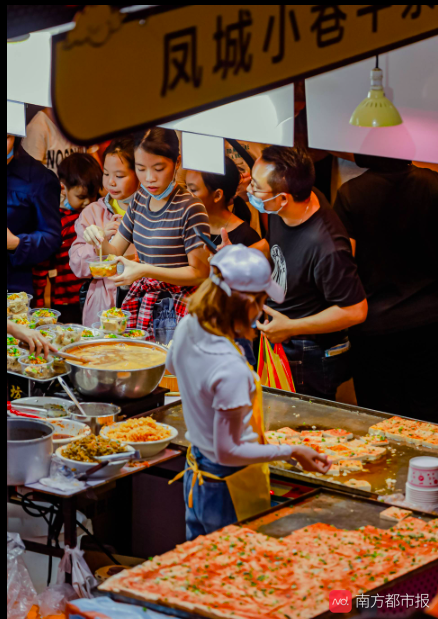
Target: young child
x,y
81,180
121,182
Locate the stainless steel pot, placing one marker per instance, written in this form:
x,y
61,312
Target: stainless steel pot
x,y
99,414
115,384
29,450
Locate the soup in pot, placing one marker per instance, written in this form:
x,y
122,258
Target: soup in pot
x,y
119,356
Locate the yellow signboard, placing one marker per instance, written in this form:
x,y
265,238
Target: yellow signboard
x,y
112,74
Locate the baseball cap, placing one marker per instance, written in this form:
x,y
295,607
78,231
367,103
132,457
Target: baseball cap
x,y
245,270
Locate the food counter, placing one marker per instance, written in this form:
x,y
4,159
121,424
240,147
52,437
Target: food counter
x,y
285,562
282,409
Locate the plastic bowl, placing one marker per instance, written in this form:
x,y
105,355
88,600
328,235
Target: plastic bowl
x,y
63,335
46,332
128,336
94,333
74,429
30,324
13,362
114,324
148,448
99,269
11,341
20,304
38,372
82,467
44,316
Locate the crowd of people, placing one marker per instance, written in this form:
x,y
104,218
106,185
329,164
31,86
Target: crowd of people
x,y
359,280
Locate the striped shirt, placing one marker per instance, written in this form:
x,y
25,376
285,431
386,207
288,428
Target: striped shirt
x,y
164,238
65,285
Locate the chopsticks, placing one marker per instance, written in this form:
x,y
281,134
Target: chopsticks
x,y
16,412
94,469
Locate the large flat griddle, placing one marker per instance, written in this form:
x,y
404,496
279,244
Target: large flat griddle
x,y
343,510
304,413
322,505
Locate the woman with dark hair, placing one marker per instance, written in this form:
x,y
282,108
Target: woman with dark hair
x,y
216,191
160,221
33,217
121,182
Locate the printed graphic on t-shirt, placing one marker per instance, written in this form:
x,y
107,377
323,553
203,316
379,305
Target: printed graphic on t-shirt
x,y
54,157
279,273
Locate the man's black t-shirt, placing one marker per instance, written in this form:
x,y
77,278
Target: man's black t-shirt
x,y
313,263
393,217
242,234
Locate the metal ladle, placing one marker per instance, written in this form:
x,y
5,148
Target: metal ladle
x,y
71,395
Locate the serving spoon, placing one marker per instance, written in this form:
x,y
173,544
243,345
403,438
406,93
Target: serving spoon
x,y
71,395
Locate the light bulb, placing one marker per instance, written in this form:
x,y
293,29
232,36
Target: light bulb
x,y
376,110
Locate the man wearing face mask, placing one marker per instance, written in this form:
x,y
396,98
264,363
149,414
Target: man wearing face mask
x,y
314,265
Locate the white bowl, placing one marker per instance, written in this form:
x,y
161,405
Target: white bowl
x,y
76,430
82,467
147,448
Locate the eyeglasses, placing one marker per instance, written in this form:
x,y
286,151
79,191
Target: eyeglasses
x,y
257,190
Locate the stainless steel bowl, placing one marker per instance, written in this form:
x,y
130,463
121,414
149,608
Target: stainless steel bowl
x,y
120,385
99,414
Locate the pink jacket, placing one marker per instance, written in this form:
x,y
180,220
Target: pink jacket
x,y
102,292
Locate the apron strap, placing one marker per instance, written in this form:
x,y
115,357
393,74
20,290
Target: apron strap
x,y
198,475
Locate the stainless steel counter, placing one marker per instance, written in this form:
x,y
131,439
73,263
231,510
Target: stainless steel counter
x,y
302,413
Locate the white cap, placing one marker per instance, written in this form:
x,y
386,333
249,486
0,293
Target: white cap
x,y
245,270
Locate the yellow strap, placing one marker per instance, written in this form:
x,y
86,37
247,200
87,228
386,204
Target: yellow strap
x,y
198,475
257,419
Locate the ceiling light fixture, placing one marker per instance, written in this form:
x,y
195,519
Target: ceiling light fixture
x,y
376,110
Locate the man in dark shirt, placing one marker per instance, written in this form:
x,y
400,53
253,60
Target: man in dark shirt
x,y
391,215
313,263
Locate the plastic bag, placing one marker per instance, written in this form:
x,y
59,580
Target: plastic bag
x,y
273,366
54,599
21,594
73,563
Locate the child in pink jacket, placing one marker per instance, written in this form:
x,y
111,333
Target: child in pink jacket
x,y
121,182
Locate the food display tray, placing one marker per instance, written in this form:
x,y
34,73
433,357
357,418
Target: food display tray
x,y
305,413
333,507
44,380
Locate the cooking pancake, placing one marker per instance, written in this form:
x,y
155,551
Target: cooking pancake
x,y
119,356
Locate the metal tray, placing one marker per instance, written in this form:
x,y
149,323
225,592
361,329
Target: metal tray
x,y
45,380
332,507
302,412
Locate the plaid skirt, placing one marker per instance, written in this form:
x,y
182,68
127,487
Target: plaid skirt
x,y
143,295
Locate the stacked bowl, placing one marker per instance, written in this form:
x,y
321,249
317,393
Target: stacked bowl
x,y
422,484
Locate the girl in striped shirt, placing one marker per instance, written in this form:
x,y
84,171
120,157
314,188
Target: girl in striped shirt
x,y
160,221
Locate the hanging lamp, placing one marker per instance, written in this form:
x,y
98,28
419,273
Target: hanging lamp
x,y
376,110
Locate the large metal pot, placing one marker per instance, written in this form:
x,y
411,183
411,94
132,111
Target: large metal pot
x,y
96,383
29,450
99,414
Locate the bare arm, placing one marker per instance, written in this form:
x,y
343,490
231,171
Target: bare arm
x,y
330,320
118,245
191,275
230,451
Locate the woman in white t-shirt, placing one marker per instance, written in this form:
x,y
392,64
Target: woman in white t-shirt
x,y
221,395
